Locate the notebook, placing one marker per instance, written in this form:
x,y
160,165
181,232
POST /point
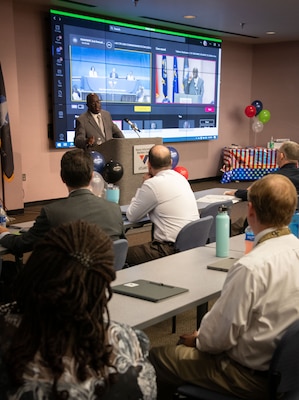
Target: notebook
x,y
148,290
222,265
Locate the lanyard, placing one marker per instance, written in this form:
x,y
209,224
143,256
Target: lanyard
x,y
273,234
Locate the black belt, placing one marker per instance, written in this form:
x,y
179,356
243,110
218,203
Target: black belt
x,y
171,244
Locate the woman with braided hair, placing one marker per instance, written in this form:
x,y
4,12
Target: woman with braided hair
x,y
57,340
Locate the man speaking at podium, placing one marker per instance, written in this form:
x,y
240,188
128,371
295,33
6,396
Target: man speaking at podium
x,y
95,126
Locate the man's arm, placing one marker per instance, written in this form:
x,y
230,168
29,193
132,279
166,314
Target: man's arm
x,y
240,193
222,326
143,202
81,138
19,244
116,132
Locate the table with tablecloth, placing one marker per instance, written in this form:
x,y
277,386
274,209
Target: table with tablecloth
x,y
247,164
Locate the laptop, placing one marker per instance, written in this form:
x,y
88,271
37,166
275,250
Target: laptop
x,y
148,290
223,265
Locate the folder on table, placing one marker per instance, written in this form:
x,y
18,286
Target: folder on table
x,y
223,265
148,290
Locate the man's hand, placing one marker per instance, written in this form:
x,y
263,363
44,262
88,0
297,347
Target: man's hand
x,y
90,141
3,229
147,176
188,340
230,192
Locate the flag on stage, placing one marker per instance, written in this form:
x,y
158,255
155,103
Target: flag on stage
x,y
164,75
186,75
175,87
7,163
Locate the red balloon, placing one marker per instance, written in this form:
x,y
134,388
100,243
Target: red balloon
x,y
182,170
250,111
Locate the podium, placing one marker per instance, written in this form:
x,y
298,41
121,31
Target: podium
x,y
129,153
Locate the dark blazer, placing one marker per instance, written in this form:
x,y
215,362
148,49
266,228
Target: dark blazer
x,y
289,170
87,127
197,89
80,204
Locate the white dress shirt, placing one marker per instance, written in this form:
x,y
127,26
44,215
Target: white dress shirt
x,y
259,300
168,199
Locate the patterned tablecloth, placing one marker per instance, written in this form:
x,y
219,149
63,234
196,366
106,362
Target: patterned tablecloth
x,y
247,164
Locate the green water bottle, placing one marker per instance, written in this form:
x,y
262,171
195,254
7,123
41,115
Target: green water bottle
x,y
222,232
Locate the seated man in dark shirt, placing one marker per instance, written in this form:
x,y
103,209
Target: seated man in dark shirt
x,y
287,161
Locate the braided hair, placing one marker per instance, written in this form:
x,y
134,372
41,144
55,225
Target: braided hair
x,y
62,294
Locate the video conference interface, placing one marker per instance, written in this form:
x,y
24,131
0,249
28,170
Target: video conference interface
x,y
167,84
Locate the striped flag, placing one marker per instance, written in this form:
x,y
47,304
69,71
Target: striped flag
x,y
175,87
7,163
164,76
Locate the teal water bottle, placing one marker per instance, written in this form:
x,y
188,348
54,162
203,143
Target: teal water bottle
x,y
222,232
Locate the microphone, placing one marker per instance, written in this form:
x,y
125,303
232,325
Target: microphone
x,y
132,125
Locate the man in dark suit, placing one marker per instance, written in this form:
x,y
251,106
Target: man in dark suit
x,y
196,85
95,126
76,173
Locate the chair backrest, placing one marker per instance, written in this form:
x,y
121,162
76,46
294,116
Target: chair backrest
x,y
120,247
194,234
212,209
284,366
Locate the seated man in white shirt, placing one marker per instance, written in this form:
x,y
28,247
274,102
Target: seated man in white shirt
x,y
167,197
231,351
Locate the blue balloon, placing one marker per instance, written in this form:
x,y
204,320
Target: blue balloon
x,y
174,156
258,105
98,161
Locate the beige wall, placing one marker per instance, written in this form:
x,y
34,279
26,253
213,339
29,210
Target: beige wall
x,y
267,73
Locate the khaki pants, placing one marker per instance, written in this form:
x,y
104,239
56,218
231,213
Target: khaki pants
x,y
176,365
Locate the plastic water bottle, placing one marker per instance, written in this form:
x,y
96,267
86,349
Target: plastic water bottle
x,y
294,225
249,239
2,216
222,232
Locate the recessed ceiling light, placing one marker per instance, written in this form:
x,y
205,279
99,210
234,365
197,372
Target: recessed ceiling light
x,y
189,16
270,33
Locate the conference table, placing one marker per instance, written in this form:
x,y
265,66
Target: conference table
x,y
203,199
187,269
236,243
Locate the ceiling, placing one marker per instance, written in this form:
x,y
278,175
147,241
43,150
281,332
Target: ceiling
x,y
236,20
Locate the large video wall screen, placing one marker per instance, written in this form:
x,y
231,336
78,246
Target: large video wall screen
x,y
166,83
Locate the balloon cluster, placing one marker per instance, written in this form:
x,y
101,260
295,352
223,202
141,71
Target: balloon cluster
x,y
110,172
175,160
255,110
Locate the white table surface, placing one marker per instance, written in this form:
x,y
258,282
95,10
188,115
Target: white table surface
x,y
213,195
187,269
236,243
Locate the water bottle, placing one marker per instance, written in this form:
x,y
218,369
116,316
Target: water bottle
x,y
294,225
222,232
249,239
2,216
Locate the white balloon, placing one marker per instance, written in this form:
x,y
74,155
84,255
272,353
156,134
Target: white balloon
x,y
97,184
257,126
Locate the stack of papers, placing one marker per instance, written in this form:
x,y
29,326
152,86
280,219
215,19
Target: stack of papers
x,y
215,198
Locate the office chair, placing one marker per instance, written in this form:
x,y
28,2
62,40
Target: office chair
x,y
194,234
120,247
212,209
282,378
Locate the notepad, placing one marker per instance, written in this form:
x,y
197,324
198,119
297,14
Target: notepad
x,y
148,290
222,265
